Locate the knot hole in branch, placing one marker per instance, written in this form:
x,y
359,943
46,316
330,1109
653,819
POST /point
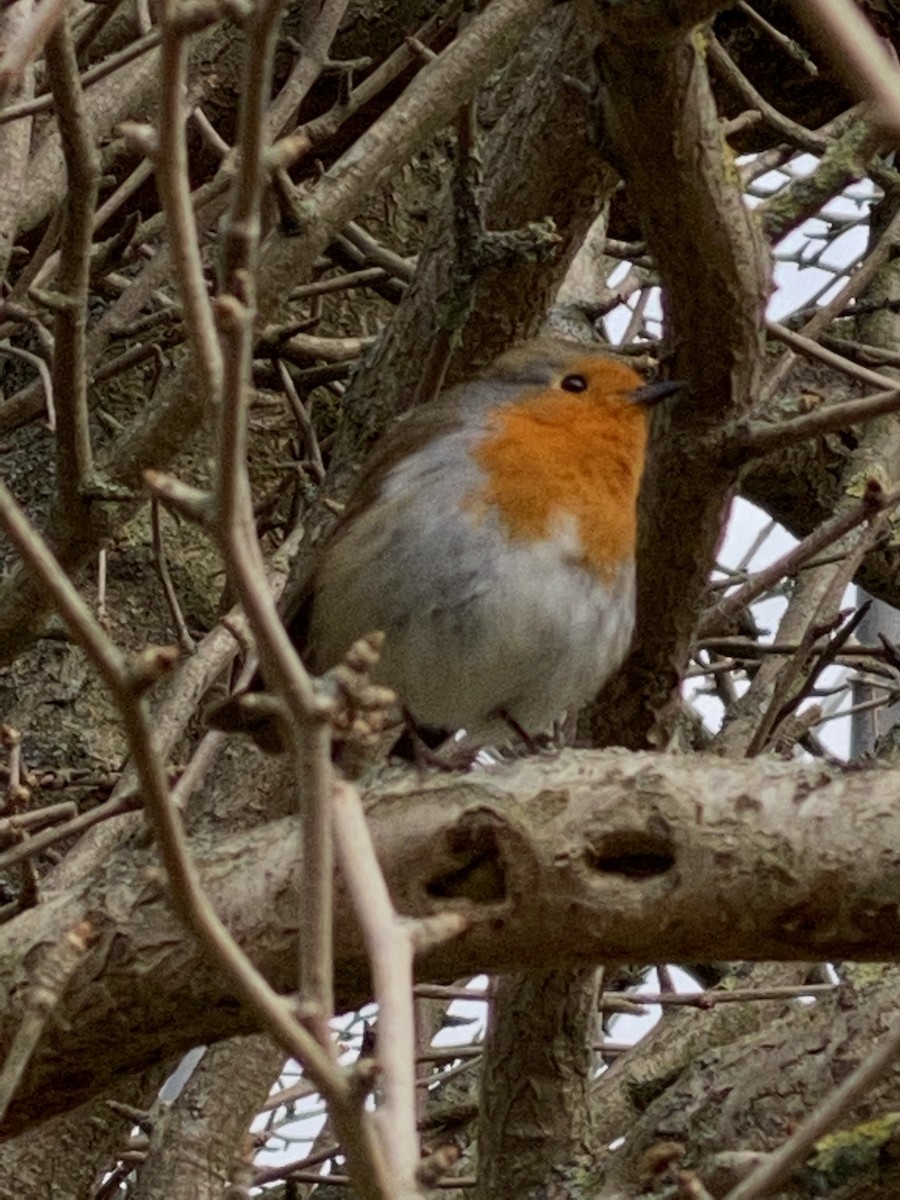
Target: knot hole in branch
x,y
477,871
633,853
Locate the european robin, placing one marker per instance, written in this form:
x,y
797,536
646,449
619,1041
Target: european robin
x,y
491,538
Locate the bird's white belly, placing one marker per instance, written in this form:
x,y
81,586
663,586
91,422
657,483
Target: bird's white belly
x,y
541,638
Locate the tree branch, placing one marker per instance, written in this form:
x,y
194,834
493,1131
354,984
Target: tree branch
x,y
588,857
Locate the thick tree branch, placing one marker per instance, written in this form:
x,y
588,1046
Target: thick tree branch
x,y
585,858
664,135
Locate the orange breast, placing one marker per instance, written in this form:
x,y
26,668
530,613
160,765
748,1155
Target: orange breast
x,y
563,459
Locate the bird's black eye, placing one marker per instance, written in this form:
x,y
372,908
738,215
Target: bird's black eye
x,y
574,383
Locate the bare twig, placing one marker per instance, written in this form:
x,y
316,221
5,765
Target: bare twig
x,y
108,208
827,657
307,723
38,843
17,793
390,944
308,731
192,503
730,607
374,254
812,349
713,997
50,814
304,139
56,965
307,429
858,282
796,134
309,345
262,1175
99,71
185,641
43,371
788,44
171,159
780,702
341,283
316,34
209,133
15,141
74,460
758,437
102,613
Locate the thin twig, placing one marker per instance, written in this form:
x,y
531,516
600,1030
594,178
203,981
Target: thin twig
x,y
307,729
49,977
780,702
791,131
209,133
102,613
282,339
788,44
812,349
26,821
171,160
390,944
858,282
307,429
826,659
307,137
758,437
74,459
44,374
309,732
263,1175
376,255
744,648
712,997
122,58
38,843
341,283
108,208
185,641
720,615
317,30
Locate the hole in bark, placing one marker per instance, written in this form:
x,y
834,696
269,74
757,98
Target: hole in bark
x,y
481,880
632,853
478,873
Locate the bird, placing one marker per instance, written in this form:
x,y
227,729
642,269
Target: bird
x,y
490,537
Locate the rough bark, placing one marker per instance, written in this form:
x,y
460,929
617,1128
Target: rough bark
x,y
200,1142
586,858
535,1126
723,1110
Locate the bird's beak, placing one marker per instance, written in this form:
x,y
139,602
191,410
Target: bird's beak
x,y
653,393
